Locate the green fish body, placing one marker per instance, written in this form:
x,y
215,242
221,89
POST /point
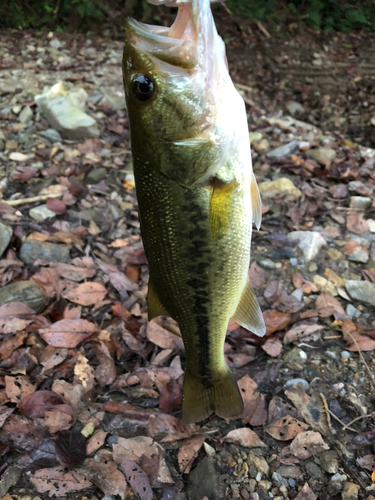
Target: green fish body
x,y
197,195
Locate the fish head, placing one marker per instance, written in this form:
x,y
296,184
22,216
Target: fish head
x,y
179,94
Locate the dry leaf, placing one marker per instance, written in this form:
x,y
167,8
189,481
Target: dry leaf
x,y
244,437
297,332
311,408
96,441
137,479
306,493
70,393
67,332
247,387
275,320
286,428
255,411
367,462
36,404
162,337
134,449
18,387
57,482
74,273
86,294
57,420
105,474
273,347
257,276
189,452
105,372
328,305
356,223
84,373
306,444
307,286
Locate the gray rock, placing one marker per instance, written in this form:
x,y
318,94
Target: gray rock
x,y
41,213
279,480
283,187
329,461
313,470
26,292
33,250
294,108
269,264
5,237
322,154
361,290
296,354
68,119
205,480
96,175
296,382
285,150
25,115
359,256
352,311
51,134
310,242
360,202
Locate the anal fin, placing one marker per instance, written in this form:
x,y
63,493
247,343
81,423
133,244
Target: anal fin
x,y
248,313
154,305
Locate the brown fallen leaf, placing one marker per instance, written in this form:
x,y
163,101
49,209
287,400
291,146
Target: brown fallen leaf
x,y
74,273
96,441
189,452
86,294
328,305
248,388
356,223
275,320
356,338
306,493
297,332
167,428
5,412
36,404
48,281
286,428
137,479
238,360
308,443
257,276
10,344
57,420
57,482
104,473
307,286
244,437
52,356
9,478
311,408
170,397
162,337
68,332
18,387
332,276
105,372
84,373
133,449
70,393
255,411
56,206
273,347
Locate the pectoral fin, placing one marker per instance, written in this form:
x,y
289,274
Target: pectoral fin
x,y
154,306
221,206
256,202
248,313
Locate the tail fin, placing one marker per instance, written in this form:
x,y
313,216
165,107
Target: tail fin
x,y
222,397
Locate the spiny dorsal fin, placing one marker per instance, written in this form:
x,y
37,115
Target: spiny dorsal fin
x,y
221,206
256,202
154,306
248,313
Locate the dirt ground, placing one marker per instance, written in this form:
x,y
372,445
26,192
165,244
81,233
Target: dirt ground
x,y
90,393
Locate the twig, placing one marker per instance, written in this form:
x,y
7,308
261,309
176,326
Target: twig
x,y
341,422
42,197
333,337
241,86
263,29
362,358
358,418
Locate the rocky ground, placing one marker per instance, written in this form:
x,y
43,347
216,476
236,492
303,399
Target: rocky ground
x,y
90,393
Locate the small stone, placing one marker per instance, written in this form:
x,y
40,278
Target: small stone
x,y
269,264
259,463
360,202
371,225
313,470
325,285
255,137
25,115
340,478
310,242
294,108
282,186
5,237
295,382
285,150
205,480
359,256
262,145
258,477
51,134
41,213
96,175
296,354
361,290
26,292
293,261
350,491
352,311
304,146
334,254
32,250
329,461
313,267
322,155
279,480
18,157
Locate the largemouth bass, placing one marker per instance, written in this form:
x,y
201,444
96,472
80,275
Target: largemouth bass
x,y
197,194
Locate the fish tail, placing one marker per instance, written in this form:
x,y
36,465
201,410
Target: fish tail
x,y
201,399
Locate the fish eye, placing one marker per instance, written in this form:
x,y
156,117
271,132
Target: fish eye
x,y
143,87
